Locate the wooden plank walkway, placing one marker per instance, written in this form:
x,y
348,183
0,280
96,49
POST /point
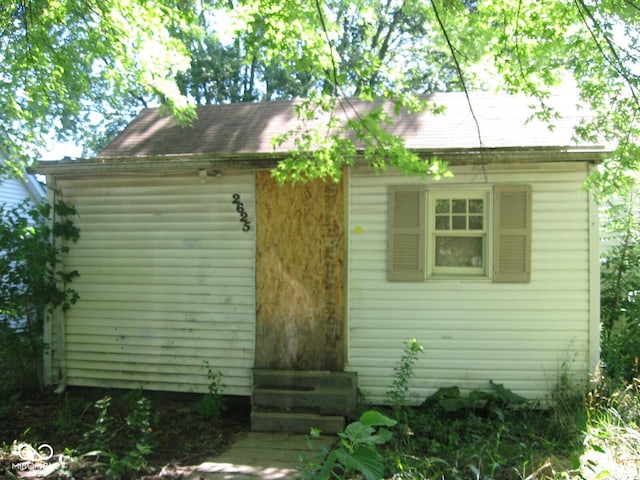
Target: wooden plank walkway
x,y
265,456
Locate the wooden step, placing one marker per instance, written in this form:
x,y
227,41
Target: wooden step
x,y
327,401
305,379
295,401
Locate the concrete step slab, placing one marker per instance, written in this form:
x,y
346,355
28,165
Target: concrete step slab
x,y
302,379
327,401
295,422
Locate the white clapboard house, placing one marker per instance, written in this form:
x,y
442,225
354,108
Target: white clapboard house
x,y
191,254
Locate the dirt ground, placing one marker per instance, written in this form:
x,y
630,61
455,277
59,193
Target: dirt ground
x,y
179,435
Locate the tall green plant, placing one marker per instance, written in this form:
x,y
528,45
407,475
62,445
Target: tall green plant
x,y
119,447
356,451
620,289
212,405
31,282
403,376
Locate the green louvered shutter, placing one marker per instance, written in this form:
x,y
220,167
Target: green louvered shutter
x,y
512,234
406,230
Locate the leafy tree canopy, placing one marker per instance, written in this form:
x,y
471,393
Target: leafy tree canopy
x,y
69,64
63,60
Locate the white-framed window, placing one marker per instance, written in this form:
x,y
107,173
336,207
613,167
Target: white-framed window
x,y
459,233
458,242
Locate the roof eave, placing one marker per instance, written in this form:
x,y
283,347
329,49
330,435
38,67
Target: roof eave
x,y
158,164
553,154
212,163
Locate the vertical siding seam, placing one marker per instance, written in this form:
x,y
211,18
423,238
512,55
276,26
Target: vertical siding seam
x,y
594,281
58,317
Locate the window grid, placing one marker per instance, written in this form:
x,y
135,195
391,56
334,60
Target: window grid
x,y
459,241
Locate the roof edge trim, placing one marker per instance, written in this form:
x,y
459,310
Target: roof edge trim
x,y
174,164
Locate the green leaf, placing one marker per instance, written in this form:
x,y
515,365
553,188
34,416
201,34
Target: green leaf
x,y
442,393
364,460
506,395
456,403
328,466
604,474
357,432
374,418
385,435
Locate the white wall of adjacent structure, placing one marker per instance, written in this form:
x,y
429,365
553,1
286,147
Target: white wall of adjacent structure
x,y
14,191
166,285
525,336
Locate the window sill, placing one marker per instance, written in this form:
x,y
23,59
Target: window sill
x,y
459,278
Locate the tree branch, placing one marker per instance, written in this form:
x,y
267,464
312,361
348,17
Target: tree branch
x,y
616,63
632,5
334,68
458,69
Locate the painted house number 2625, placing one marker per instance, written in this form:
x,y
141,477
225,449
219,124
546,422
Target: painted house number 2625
x,y
244,216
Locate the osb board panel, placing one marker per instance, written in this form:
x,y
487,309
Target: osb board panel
x,y
299,275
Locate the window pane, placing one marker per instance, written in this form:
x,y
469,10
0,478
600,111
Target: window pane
x,y
459,222
459,251
459,205
476,205
475,222
442,222
443,206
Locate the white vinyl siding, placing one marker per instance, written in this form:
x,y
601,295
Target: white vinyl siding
x,y
519,334
13,192
166,283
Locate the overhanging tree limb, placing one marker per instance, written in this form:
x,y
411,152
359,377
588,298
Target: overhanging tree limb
x,y
459,71
616,63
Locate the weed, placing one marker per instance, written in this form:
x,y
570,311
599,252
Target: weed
x,y
356,451
403,376
485,434
70,419
612,435
10,405
123,458
212,405
102,433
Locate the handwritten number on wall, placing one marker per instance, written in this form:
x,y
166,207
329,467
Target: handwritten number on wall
x,y
244,216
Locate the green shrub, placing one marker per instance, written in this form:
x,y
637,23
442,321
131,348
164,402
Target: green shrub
x,y
119,447
620,291
357,450
212,404
31,284
402,379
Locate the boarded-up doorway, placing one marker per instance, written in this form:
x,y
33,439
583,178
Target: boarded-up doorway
x,y
299,275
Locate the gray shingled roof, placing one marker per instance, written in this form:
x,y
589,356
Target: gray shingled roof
x,y
504,121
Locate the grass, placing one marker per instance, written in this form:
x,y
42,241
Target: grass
x,y
481,436
612,436
585,437
496,443
590,437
